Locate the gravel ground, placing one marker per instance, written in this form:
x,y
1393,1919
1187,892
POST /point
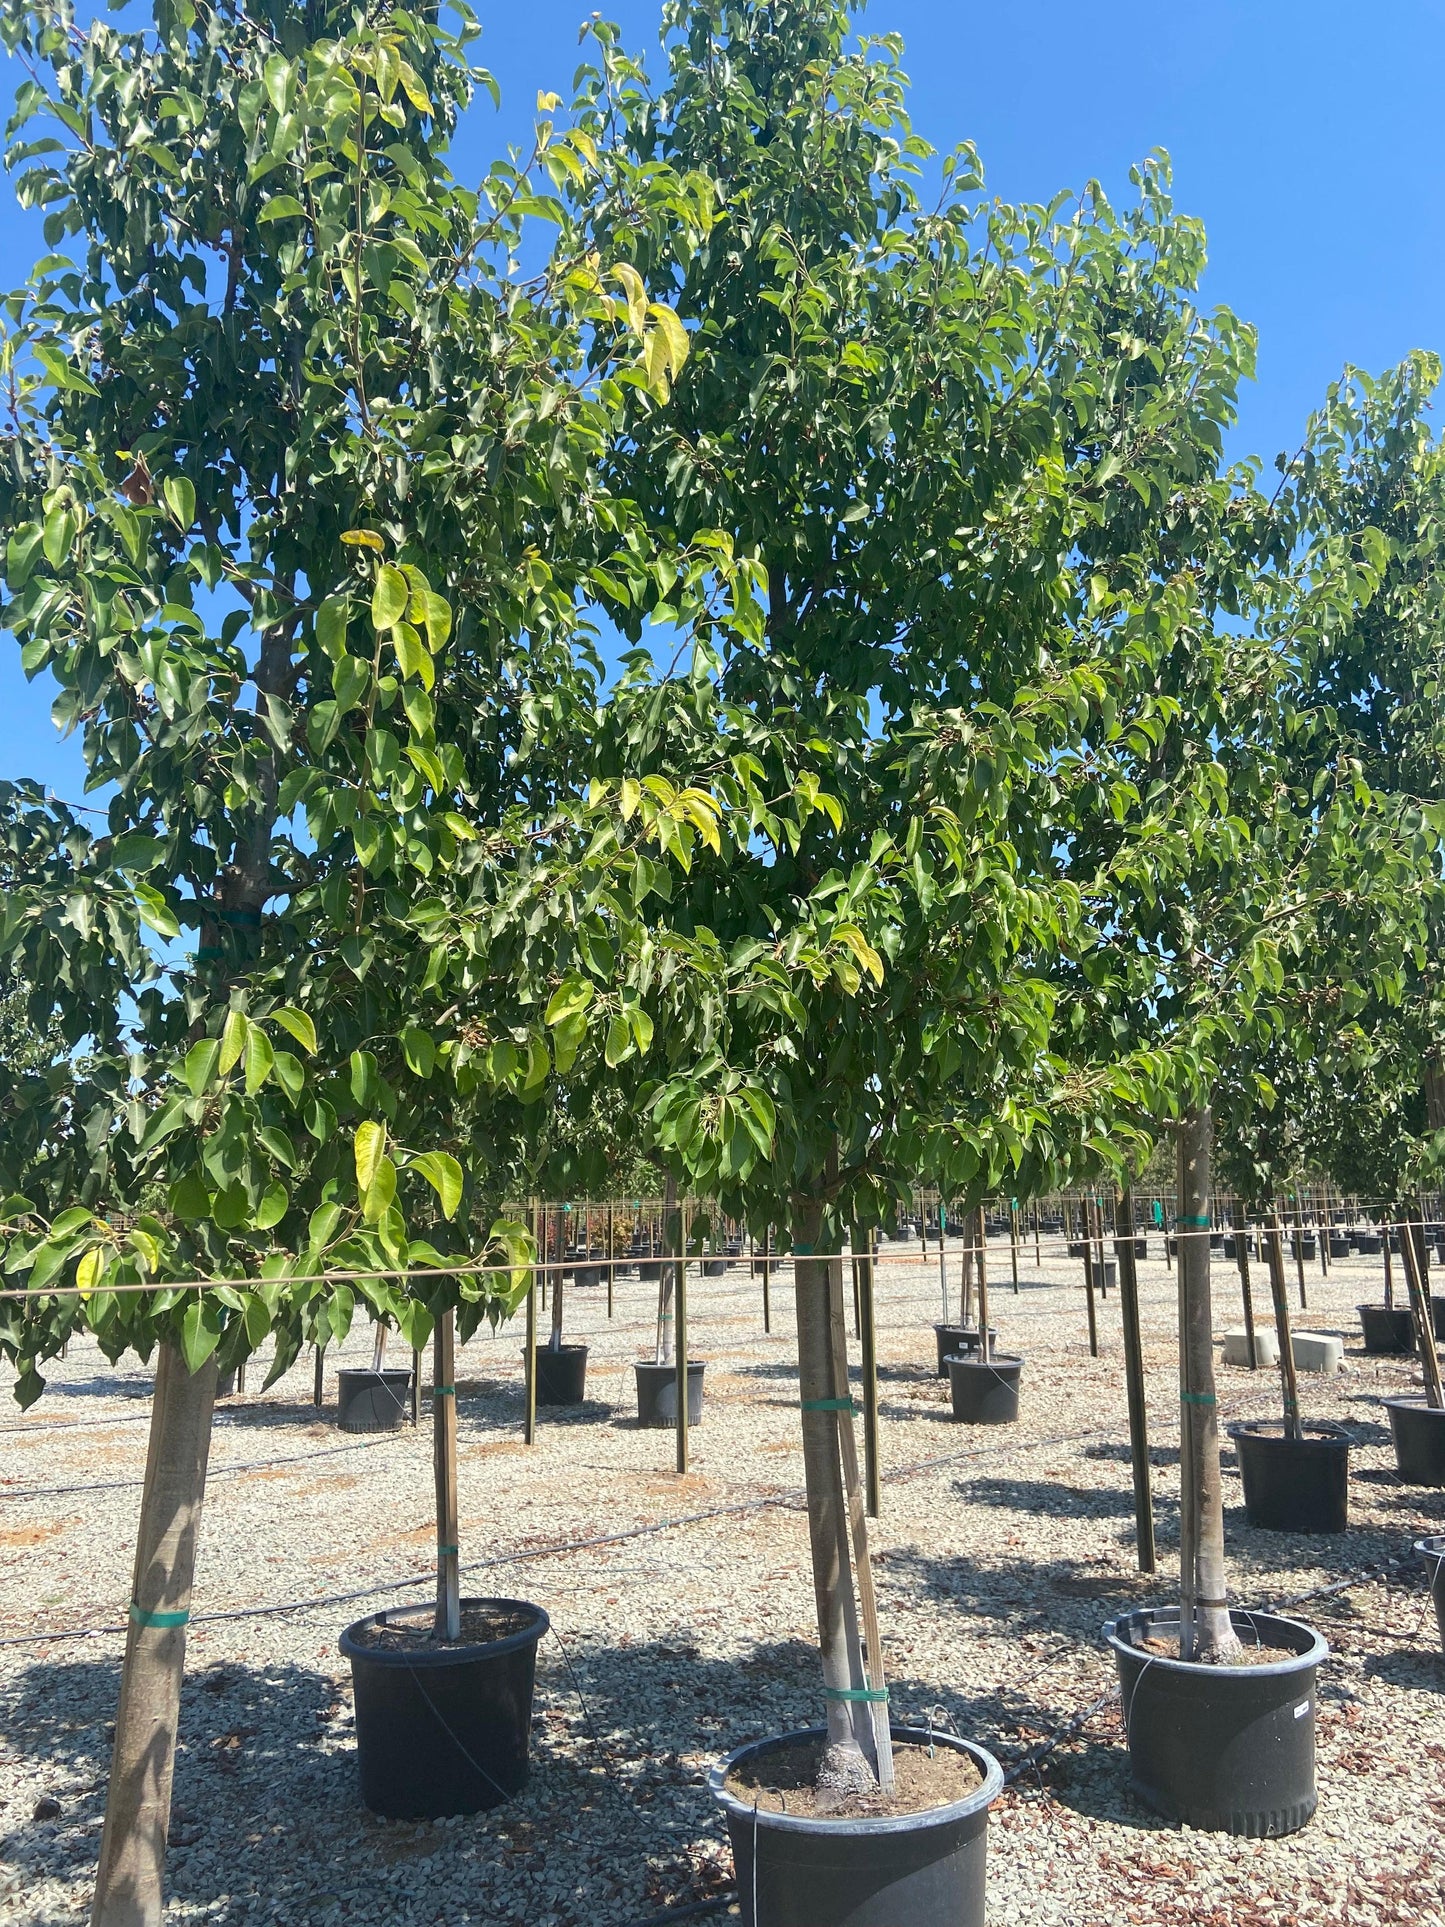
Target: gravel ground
x,y
685,1626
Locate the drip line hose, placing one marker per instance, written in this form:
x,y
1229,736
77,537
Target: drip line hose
x,y
794,1500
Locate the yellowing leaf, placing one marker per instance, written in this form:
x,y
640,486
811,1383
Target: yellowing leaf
x,y
364,539
90,1270
298,1024
370,1148
389,597
635,294
233,1042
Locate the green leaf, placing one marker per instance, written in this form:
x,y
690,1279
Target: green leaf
x,y
571,997
376,1197
444,1175
200,1065
180,499
389,597
257,1318
619,1040
290,1074
200,1333
298,1024
259,1059
419,1050
273,1206
370,1148
282,207
233,1042
190,1199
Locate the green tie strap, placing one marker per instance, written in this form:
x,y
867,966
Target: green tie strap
x,y
162,1621
828,1405
875,1694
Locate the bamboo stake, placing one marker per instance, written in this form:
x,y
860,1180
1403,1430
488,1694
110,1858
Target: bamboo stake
x,y
611,1258
1038,1246
130,1878
1013,1243
942,1256
318,1385
1134,1382
1299,1250
985,1348
444,1467
767,1279
1089,1295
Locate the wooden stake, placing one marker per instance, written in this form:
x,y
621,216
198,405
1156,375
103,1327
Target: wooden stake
x,y
611,1259
1205,1629
130,1877
1299,1251
416,1388
1038,1247
1134,1381
943,1256
985,1348
680,1344
1284,1335
767,1279
869,1341
529,1421
858,1526
1241,1258
1013,1243
1420,1305
1089,1295
316,1394
850,1726
444,1465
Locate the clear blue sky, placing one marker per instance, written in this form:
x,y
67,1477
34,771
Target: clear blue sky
x,y
1305,133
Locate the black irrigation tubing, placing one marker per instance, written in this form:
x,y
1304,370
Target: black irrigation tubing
x,y
215,1472
694,1910
794,1500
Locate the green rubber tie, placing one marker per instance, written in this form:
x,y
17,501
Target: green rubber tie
x,y
878,1694
164,1621
1181,1219
443,1391
441,1549
828,1405
1197,1398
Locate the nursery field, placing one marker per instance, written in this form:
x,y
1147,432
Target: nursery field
x,y
683,1621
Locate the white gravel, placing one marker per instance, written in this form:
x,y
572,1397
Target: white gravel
x,y
1000,1553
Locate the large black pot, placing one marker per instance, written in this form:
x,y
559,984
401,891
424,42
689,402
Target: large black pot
x,y
909,1870
1294,1485
714,1267
985,1391
1437,1317
1432,1551
1387,1328
1339,1245
1369,1244
443,1729
657,1392
649,1270
368,1401
1308,1239
588,1277
1229,1749
1104,1276
1418,1430
957,1340
561,1374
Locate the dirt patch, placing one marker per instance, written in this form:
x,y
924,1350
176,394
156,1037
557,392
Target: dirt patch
x,y
789,1774
35,1535
481,1626
1246,1656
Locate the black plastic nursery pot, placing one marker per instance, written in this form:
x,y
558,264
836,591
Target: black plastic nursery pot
x,y
985,1391
1370,1244
657,1392
1294,1485
1418,1430
588,1277
1229,1749
442,1729
714,1267
1387,1328
957,1340
905,1870
1432,1551
370,1401
1437,1317
1105,1276
561,1374
1302,1247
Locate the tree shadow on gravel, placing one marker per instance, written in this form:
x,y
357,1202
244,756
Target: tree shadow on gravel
x,y
1414,1668
1116,1453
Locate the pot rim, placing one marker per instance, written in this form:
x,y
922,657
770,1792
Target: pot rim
x,y
557,1351
447,1655
651,1365
1414,1402
1328,1431
1292,1662
871,1825
975,1363
381,1373
1432,1546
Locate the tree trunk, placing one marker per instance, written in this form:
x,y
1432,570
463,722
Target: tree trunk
x,y
870,1377
1205,1631
444,1466
1134,1380
128,1887
1435,1091
985,1349
851,1751
529,1421
679,1330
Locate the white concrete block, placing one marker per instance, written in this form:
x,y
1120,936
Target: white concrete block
x,y
1236,1346
1318,1352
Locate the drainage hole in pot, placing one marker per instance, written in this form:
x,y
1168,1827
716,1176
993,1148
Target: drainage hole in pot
x,y
784,1780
